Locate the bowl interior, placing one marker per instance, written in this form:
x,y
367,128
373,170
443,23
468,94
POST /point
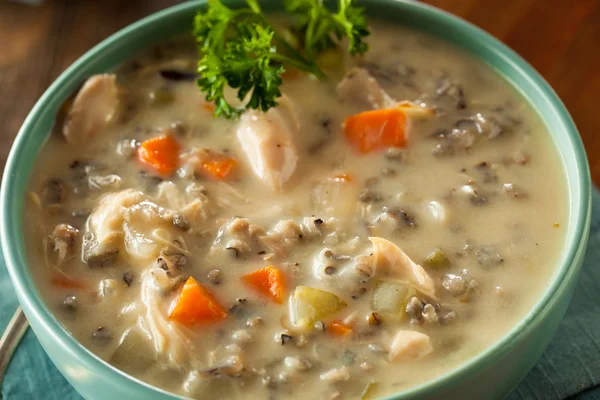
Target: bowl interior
x,y
111,52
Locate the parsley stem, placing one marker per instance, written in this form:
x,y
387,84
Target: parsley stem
x,y
289,48
308,67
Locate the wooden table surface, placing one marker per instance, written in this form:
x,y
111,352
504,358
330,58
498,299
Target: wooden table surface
x,y
560,38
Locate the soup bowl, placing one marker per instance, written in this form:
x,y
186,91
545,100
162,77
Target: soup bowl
x,y
492,374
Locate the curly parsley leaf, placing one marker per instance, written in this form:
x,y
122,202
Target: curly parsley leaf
x,y
210,27
247,65
324,29
352,20
240,49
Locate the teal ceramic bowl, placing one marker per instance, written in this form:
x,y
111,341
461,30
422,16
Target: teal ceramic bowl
x,y
490,375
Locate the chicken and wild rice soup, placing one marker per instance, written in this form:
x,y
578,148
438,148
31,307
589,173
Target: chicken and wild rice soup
x,y
372,230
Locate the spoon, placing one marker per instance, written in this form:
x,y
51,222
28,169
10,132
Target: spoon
x,y
10,339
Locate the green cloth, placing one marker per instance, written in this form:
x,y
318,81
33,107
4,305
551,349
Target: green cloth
x,y
570,367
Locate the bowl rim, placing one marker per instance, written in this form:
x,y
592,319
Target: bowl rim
x,y
11,230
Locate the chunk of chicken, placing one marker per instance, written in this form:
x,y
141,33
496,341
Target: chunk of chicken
x,y
193,206
105,227
107,220
169,339
267,142
409,345
358,86
388,257
62,243
126,220
94,107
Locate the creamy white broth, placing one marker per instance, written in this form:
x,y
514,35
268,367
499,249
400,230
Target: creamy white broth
x,y
508,238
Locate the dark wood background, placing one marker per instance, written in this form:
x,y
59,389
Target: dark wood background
x,y
561,38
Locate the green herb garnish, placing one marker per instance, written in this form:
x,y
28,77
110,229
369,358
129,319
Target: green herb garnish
x,y
241,49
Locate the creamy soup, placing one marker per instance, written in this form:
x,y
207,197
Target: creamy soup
x,y
298,253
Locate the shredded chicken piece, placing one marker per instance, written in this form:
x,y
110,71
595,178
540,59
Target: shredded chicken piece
x,y
266,140
360,87
62,242
108,182
105,226
93,108
107,220
126,220
389,257
170,340
336,375
193,206
408,345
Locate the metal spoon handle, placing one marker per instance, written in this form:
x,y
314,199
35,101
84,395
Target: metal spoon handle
x,y
10,339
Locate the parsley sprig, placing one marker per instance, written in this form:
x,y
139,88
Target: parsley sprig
x,y
241,49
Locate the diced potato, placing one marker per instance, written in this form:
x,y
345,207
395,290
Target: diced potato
x,y
437,259
335,198
409,345
308,305
391,297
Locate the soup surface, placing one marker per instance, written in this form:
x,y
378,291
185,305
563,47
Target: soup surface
x,y
370,233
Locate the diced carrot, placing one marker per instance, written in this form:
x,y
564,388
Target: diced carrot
x,y
210,107
196,305
268,281
339,328
216,165
342,178
66,282
160,153
376,130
